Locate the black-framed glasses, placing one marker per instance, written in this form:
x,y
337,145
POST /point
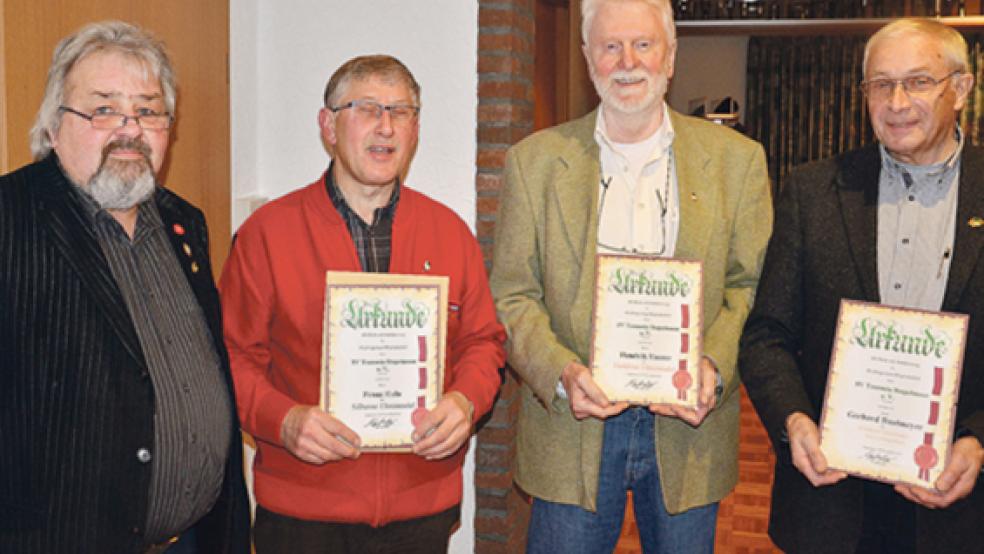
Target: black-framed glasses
x,y
370,109
661,196
883,89
149,121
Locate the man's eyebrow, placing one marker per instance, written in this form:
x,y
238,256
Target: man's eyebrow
x,y
113,95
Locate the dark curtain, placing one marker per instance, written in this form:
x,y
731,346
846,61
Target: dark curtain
x,y
804,101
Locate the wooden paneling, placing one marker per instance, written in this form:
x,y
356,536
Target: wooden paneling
x,y
197,36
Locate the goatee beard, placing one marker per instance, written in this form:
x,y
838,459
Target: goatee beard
x,y
122,184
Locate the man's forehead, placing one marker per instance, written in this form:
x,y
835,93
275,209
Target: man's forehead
x,y
378,86
909,46
106,73
608,24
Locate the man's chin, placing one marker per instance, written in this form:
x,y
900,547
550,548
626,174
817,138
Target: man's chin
x,y
115,191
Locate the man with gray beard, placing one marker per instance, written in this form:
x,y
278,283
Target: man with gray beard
x,y
117,420
635,178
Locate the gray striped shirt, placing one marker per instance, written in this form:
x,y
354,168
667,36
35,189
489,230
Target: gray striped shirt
x,y
191,421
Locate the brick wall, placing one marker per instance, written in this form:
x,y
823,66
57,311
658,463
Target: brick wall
x,y
505,115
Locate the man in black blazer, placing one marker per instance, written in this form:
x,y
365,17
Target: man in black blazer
x,y
900,223
118,429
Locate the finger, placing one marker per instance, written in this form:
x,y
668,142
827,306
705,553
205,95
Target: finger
x,y
339,431
817,460
446,448
591,389
661,409
583,405
708,382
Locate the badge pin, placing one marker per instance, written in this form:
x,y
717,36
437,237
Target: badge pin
x,y
194,267
693,196
178,229
975,222
427,265
186,248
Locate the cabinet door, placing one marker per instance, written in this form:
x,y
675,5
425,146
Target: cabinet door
x,y
197,36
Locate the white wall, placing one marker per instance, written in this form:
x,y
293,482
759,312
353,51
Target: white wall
x,y
281,55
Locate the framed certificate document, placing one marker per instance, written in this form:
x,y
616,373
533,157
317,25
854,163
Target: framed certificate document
x,y
888,411
383,353
646,331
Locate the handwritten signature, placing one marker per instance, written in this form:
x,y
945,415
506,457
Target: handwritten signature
x,y
878,459
640,384
381,422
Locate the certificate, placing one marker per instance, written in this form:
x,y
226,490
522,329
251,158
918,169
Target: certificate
x,y
890,403
646,329
383,353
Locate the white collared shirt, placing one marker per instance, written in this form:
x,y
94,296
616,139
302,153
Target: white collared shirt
x,y
638,199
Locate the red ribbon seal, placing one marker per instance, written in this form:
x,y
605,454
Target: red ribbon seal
x,y
682,380
926,456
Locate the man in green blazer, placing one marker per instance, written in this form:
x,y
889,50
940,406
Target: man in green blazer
x,y
631,177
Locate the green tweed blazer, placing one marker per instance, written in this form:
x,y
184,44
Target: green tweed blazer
x,y
543,280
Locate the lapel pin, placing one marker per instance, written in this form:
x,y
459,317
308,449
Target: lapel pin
x,y
194,267
178,229
427,265
693,196
975,222
186,248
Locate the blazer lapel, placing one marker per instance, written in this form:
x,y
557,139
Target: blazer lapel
x,y
691,161
857,192
72,235
575,189
967,240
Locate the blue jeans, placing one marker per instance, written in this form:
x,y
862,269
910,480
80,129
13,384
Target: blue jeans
x,y
628,462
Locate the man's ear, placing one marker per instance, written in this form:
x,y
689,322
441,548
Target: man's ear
x,y
326,121
962,85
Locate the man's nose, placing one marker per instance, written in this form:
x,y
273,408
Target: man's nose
x,y
385,124
899,98
629,58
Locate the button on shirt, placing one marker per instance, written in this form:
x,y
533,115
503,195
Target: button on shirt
x,y
638,202
917,208
192,417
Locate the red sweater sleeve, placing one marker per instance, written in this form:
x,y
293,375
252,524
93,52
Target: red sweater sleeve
x,y
246,290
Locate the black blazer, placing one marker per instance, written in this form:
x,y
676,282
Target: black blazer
x,y
823,249
76,399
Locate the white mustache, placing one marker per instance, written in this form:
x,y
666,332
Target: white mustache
x,y
637,74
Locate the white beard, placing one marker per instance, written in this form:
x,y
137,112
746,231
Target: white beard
x,y
121,185
655,90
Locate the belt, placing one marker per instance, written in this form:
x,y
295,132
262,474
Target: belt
x,y
161,546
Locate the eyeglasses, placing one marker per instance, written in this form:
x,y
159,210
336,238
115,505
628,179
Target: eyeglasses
x,y
883,89
661,196
148,121
370,109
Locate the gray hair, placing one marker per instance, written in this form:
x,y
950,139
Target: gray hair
x,y
590,7
104,36
953,44
364,67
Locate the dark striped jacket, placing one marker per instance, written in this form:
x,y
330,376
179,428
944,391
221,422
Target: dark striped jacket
x,y
76,399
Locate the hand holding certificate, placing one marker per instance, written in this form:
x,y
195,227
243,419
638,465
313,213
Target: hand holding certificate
x,y
891,392
383,354
646,336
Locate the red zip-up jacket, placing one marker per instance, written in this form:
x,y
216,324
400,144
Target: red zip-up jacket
x,y
273,289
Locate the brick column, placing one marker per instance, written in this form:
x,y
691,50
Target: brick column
x,y
505,115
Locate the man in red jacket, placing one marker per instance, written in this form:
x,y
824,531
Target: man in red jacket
x,y
316,491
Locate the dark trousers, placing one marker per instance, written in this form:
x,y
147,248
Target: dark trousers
x,y
279,534
889,525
